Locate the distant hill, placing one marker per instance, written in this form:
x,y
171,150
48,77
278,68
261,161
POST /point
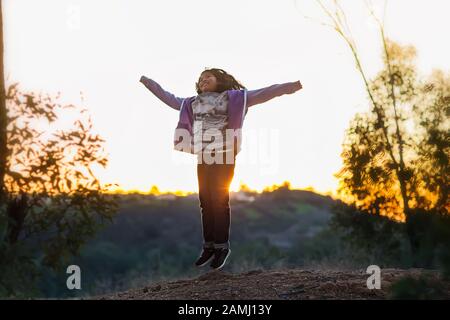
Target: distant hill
x,y
282,216
159,237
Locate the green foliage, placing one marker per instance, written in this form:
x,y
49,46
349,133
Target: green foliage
x,y
373,238
422,288
18,272
324,248
258,253
423,241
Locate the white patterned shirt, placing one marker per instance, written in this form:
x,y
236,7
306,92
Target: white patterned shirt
x,y
210,111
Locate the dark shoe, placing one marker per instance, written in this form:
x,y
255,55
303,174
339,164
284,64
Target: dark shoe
x,y
205,256
220,256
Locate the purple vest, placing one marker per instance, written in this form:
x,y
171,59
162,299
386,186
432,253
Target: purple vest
x,y
237,109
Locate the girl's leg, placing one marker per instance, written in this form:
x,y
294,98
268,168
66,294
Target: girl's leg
x,y
203,175
220,202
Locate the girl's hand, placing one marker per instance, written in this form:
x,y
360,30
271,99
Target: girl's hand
x,y
143,78
299,85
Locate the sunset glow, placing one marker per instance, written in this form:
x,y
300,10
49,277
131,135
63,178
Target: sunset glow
x,y
101,48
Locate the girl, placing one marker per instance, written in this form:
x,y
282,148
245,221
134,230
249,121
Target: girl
x,y
205,122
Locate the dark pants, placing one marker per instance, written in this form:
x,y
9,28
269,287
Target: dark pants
x,y
213,182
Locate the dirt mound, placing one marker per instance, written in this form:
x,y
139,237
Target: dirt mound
x,y
272,285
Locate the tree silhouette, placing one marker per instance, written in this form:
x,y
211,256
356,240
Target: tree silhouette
x,y
386,149
395,156
50,200
53,201
377,171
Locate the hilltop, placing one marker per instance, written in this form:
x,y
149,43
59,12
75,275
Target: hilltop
x,y
284,284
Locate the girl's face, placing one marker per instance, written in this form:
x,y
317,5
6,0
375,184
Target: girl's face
x,y
207,82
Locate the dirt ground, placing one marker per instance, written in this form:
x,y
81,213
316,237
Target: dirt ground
x,y
290,284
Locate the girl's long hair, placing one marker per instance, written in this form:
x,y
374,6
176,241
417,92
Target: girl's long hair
x,y
225,81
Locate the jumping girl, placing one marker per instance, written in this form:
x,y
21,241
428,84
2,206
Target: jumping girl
x,y
210,126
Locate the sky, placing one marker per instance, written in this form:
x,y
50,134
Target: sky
x,y
102,47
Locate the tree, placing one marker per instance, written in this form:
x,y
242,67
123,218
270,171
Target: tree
x,y
53,201
384,154
377,173
48,205
395,156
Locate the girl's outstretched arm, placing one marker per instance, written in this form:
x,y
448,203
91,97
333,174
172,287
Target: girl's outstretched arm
x,y
258,96
168,98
